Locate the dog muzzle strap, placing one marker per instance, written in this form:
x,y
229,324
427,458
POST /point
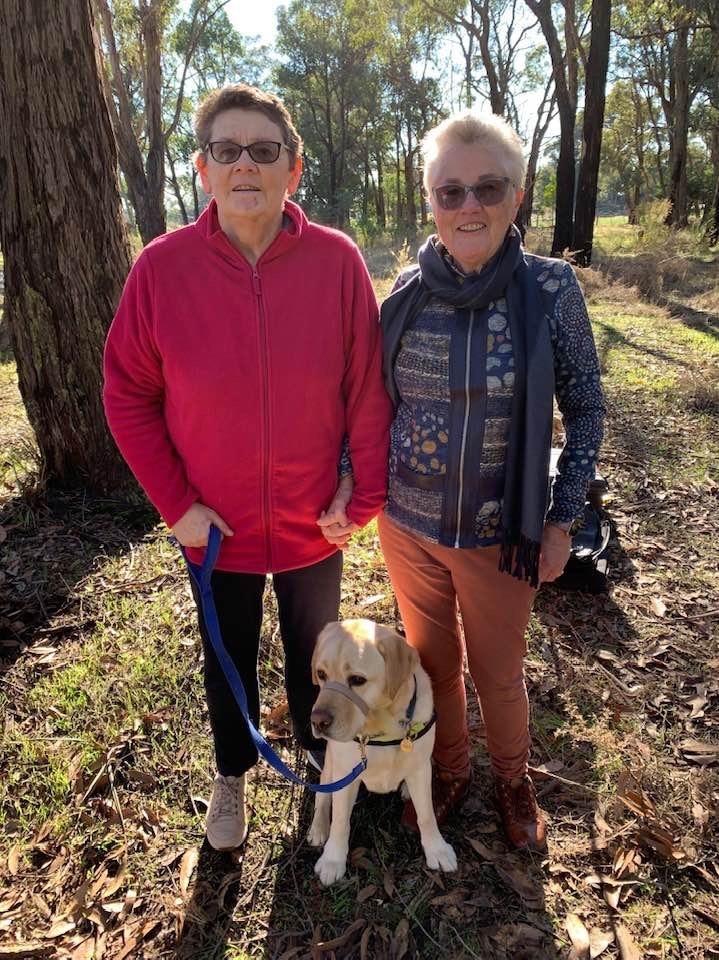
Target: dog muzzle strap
x,y
347,692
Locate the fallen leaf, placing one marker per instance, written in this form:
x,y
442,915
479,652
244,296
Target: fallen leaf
x,y
599,940
368,601
544,769
13,859
483,850
357,854
3,534
400,940
113,906
611,895
658,606
697,704
139,933
84,950
59,928
342,940
517,877
699,752
187,867
579,935
628,950
448,899
291,953
366,892
277,714
28,949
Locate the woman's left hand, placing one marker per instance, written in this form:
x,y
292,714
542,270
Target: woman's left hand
x,y
554,554
336,527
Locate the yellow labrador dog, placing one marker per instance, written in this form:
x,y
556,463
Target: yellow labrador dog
x,y
375,699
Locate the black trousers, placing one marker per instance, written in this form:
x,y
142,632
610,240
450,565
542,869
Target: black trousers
x,y
307,600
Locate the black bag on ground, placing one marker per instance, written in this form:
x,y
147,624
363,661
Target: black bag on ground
x,y
586,569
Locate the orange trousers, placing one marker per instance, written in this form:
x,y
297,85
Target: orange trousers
x,y
430,581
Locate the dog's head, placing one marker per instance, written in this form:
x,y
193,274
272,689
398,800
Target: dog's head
x,y
373,661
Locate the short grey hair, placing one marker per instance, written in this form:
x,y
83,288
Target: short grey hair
x,y
485,129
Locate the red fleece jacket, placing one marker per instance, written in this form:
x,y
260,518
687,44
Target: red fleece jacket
x,y
234,386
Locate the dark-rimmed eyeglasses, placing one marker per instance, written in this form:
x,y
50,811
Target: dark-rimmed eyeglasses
x,y
490,192
261,151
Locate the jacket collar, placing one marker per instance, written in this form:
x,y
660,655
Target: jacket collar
x,y
294,224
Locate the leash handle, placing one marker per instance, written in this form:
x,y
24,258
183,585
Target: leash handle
x,y
202,577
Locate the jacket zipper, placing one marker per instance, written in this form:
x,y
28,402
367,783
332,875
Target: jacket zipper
x,y
264,374
465,425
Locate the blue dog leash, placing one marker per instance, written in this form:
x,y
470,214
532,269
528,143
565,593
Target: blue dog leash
x,y
202,577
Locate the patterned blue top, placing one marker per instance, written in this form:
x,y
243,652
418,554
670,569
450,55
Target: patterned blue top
x,y
420,432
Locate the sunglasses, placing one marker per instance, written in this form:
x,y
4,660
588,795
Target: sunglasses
x,y
261,151
451,196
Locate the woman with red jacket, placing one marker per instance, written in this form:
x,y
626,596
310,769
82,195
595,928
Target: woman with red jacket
x,y
245,347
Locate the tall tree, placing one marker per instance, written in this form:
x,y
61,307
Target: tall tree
x,y
667,43
61,231
135,36
594,99
328,46
565,85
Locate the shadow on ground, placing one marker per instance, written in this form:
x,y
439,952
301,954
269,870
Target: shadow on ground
x,y
51,544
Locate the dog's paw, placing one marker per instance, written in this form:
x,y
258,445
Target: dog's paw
x,y
318,832
330,871
441,856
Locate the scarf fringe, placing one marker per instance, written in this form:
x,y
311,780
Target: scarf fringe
x,y
521,559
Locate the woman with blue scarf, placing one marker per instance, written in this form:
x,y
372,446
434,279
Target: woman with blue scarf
x,y
479,338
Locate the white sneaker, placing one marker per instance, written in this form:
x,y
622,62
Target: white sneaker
x,y
226,825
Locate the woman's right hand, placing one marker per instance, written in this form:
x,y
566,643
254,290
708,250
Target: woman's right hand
x,y
193,527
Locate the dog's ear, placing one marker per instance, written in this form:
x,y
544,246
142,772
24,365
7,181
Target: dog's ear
x,y
400,659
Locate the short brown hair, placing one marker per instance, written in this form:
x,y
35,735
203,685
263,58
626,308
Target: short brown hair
x,y
241,96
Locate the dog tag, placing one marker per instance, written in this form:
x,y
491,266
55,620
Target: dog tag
x,y
406,745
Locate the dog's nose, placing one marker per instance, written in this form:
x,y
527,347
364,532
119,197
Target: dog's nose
x,y
321,719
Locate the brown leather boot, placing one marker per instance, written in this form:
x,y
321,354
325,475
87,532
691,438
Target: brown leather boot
x,y
448,792
522,818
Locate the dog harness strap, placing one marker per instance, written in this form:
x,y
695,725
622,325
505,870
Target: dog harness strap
x,y
202,576
348,692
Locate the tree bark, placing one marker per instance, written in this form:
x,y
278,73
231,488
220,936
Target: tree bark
x,y
145,184
567,106
677,192
62,232
176,187
524,215
594,100
714,223
380,202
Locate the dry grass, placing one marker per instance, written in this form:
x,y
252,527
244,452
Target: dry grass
x,y
106,761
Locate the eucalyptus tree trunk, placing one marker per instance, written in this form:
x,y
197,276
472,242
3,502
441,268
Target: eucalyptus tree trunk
x,y
677,192
594,100
567,107
145,180
61,232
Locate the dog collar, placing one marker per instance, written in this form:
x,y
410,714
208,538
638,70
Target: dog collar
x,y
406,742
413,731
